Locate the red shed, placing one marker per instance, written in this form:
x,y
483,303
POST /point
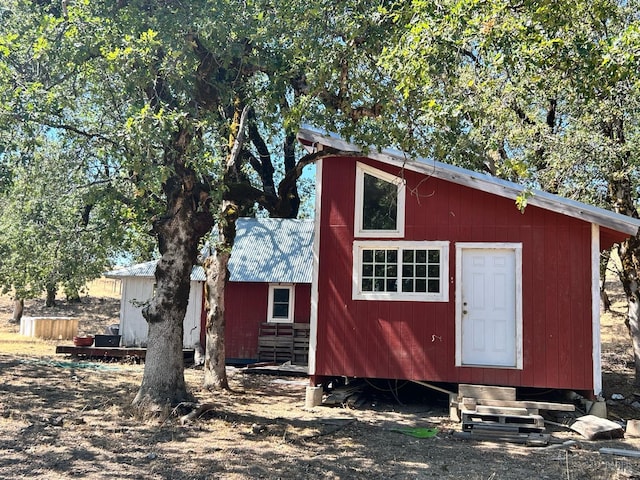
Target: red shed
x,y
267,298
429,272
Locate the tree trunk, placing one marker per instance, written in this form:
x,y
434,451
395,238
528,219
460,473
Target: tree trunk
x,y
18,309
629,252
216,267
163,379
605,302
179,232
50,300
621,196
215,373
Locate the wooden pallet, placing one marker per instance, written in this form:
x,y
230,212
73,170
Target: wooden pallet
x,y
275,342
284,342
473,420
300,344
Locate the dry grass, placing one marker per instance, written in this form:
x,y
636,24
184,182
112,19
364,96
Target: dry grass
x,y
61,419
99,307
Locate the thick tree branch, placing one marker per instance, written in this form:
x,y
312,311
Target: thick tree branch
x,y
279,205
79,131
238,134
263,164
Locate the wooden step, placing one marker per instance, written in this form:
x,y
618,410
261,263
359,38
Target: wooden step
x,y
486,392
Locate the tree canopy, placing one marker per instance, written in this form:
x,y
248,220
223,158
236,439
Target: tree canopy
x,y
157,89
534,91
185,106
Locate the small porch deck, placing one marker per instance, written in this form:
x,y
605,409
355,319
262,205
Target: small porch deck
x,y
137,353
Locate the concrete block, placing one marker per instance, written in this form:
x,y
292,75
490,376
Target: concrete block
x,y
313,397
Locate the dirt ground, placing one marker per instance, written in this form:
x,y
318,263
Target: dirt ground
x,y
62,418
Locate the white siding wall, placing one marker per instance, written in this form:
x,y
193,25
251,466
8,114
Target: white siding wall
x,y
133,326
192,317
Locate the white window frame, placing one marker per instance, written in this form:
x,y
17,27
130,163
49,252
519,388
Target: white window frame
x,y
361,169
360,245
292,292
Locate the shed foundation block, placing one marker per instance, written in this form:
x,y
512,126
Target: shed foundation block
x,y
313,397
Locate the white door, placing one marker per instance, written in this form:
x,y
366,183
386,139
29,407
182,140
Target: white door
x,y
488,305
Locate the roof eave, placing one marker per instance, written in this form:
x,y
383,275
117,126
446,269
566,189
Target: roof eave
x,y
479,181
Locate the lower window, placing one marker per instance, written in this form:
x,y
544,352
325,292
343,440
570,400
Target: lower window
x,y
281,301
399,270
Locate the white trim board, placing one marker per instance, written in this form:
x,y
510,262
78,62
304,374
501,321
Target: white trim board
x,y
313,314
595,309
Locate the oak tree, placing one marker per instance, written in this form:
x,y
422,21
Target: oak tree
x,y
159,90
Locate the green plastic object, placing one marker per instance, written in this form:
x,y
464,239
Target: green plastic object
x,y
418,432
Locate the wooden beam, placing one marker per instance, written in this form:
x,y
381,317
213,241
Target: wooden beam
x,y
486,392
620,452
433,387
501,410
528,404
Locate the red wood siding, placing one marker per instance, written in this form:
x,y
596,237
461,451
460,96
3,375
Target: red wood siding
x,y
246,308
416,340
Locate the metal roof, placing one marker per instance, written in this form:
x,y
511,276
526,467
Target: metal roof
x,y
479,181
273,250
148,269
276,250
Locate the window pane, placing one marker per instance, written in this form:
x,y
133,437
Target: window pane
x,y
280,310
380,256
367,270
434,286
407,256
434,256
421,256
379,270
367,285
421,286
407,285
392,271
379,285
392,285
407,271
367,255
380,204
434,271
280,295
392,256
421,271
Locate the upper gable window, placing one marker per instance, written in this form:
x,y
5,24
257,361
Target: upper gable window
x,y
379,203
